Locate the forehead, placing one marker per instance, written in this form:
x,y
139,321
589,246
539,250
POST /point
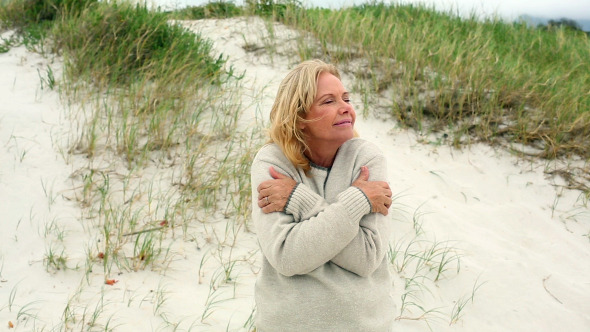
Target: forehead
x,y
327,82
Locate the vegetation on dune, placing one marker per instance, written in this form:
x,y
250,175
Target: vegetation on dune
x,y
125,42
222,9
214,9
120,42
148,94
141,91
471,79
482,79
26,14
153,71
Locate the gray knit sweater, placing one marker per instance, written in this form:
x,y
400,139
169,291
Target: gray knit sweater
x,y
324,265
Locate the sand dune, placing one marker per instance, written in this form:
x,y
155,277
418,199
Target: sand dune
x,y
517,243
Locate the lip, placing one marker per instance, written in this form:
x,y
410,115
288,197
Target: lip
x,y
345,122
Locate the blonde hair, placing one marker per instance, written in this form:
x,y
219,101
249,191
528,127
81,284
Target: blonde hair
x,y
294,98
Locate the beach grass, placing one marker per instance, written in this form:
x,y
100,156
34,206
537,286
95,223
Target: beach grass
x,y
486,78
214,9
156,115
464,79
471,79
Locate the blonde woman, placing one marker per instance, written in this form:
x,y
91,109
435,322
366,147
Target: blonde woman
x,y
320,201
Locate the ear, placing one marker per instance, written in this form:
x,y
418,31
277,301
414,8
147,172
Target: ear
x,y
301,125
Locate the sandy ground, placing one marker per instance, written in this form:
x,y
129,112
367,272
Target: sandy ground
x,y
524,242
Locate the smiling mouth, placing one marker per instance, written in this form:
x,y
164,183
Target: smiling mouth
x,y
343,122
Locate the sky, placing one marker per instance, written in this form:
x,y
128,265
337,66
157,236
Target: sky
x,y
506,9
509,9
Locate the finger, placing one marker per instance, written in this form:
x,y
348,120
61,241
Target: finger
x,y
382,184
275,174
261,203
364,176
383,210
264,201
263,193
378,209
388,205
270,208
264,185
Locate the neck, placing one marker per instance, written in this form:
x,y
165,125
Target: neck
x,y
322,156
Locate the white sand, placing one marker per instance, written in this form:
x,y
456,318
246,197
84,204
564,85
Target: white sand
x,y
523,240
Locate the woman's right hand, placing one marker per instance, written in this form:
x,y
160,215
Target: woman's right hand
x,y
274,194
378,192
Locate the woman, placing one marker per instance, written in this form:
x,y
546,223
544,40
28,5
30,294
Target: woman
x,y
321,224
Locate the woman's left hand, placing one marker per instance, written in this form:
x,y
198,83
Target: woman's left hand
x,y
273,194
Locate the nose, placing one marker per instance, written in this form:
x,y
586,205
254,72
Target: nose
x,y
344,107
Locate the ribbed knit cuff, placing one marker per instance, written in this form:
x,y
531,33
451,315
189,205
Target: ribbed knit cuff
x,y
356,202
289,199
301,199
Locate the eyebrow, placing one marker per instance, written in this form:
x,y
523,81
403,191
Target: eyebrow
x,y
331,94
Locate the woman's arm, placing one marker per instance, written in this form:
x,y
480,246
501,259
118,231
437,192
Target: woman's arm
x,y
293,247
274,194
366,251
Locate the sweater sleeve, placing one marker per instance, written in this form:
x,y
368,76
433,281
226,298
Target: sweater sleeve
x,y
304,203
300,246
366,251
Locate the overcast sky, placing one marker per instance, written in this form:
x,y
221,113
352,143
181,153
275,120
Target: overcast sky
x,y
508,9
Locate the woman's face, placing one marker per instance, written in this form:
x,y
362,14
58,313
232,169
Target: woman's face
x,y
331,115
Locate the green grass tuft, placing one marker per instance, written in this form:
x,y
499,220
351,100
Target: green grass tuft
x,y
488,80
214,9
125,42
